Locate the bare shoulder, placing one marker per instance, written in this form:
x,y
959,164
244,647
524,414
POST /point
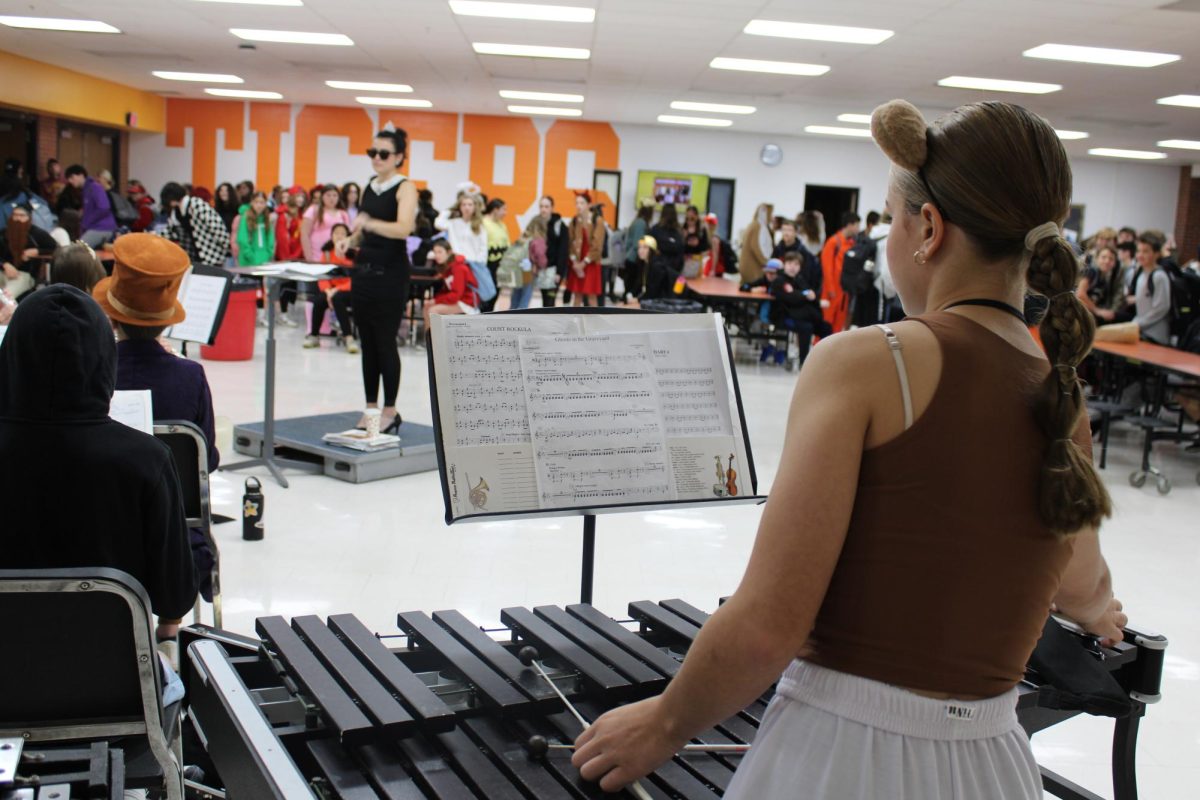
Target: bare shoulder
x,y
406,189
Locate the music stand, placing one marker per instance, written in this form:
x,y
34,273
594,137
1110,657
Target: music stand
x,y
616,321
272,277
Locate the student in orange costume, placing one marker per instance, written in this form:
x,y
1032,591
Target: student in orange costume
x,y
835,301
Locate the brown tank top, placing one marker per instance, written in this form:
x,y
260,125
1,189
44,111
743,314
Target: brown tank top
x,y
948,572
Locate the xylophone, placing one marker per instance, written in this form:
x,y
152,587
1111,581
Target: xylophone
x,y
326,709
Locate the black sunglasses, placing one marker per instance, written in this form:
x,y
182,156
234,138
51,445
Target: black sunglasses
x,y
383,154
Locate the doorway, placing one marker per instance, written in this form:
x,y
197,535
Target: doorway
x,y
720,202
17,140
832,202
97,149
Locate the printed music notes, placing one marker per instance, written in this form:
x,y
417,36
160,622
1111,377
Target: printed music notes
x,y
549,412
595,420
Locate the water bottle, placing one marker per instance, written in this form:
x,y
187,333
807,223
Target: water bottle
x,y
252,511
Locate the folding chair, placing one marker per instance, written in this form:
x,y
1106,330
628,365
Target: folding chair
x,y
80,664
190,449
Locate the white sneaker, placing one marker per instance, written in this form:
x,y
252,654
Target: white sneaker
x,y
261,320
351,345
311,341
286,321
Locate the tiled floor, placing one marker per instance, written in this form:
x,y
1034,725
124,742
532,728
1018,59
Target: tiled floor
x,y
378,548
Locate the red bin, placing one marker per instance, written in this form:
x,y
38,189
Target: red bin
x,y
235,337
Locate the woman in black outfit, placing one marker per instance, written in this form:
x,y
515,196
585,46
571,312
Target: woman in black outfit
x,y
380,290
667,267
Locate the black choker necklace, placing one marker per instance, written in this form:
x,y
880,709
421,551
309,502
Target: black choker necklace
x,y
987,303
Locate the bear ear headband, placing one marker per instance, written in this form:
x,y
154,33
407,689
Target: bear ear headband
x,y
900,131
902,134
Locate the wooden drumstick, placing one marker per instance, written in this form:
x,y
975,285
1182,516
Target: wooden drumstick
x,y
529,657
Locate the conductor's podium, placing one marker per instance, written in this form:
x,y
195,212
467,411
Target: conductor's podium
x,y
326,709
299,438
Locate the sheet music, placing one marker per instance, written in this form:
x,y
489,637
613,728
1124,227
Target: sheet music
x,y
495,462
312,270
201,298
487,392
691,385
595,420
133,407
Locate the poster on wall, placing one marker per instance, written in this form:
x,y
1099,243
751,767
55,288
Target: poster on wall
x,y
681,189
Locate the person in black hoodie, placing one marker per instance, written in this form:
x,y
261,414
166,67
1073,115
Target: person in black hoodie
x,y
558,247
92,492
795,304
670,241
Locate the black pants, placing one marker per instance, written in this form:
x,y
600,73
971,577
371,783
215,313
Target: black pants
x,y
806,326
548,297
341,307
634,276
864,310
379,316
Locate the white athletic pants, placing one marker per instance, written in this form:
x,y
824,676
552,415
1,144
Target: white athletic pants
x,y
832,736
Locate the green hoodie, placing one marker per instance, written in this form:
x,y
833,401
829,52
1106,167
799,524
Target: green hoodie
x,y
259,247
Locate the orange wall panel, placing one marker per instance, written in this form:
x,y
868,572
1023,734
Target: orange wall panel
x,y
564,135
205,118
270,121
316,121
484,134
427,126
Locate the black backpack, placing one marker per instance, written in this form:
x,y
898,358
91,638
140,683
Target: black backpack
x,y
123,211
1185,299
856,278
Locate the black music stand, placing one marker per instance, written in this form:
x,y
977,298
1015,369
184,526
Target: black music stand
x,y
588,559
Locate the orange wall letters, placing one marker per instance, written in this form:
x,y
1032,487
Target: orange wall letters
x,y
269,121
205,118
272,123
484,134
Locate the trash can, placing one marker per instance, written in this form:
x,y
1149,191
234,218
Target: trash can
x,y
235,337
672,305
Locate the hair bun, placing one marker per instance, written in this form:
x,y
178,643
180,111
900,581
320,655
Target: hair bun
x,y
899,130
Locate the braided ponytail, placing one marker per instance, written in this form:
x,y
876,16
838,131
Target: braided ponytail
x,y
1001,175
1071,494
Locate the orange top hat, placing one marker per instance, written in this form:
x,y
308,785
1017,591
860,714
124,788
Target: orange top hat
x,y
147,272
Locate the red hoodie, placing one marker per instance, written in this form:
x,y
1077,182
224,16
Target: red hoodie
x,y
287,238
459,285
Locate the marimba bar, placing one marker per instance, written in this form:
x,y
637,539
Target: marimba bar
x,y
456,715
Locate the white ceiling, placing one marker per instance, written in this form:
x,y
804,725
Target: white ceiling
x,y
646,53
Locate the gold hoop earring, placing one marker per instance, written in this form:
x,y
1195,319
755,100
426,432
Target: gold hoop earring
x,y
919,258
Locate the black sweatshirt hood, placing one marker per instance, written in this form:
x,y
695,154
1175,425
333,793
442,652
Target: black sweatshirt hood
x,y
58,360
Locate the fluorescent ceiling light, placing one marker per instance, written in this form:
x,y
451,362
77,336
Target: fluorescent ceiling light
x,y
292,37
833,130
250,93
1187,100
55,24
473,8
997,85
202,77
530,50
1071,134
820,33
257,2
552,97
776,67
394,102
1100,55
1180,144
1114,152
716,108
707,122
546,111
858,119
367,86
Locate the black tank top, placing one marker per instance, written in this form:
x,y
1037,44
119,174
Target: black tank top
x,y
380,251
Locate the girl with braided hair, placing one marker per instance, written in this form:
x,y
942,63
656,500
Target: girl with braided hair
x,y
949,503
